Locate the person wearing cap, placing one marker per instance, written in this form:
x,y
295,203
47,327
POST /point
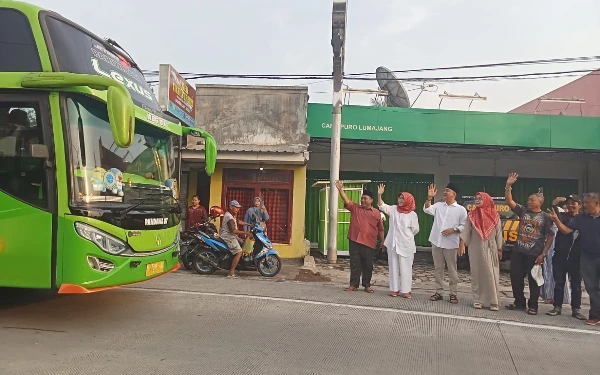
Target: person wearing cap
x,y
567,259
229,233
587,225
365,226
449,220
534,238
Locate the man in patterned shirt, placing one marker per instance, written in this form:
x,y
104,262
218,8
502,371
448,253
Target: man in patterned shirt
x,y
534,239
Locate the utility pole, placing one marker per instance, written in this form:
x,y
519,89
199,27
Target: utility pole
x,y
338,37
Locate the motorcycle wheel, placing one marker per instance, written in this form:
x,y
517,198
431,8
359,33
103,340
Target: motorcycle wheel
x,y
269,266
201,266
187,262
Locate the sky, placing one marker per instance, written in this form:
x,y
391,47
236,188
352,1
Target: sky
x,y
293,37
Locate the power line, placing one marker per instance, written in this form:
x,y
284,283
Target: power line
x,y
458,67
455,79
493,65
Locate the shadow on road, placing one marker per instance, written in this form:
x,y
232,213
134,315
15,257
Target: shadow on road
x,y
15,297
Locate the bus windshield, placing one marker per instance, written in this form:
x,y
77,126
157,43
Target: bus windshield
x,y
77,51
104,172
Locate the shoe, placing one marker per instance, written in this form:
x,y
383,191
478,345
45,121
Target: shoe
x,y
555,311
494,308
578,315
592,322
453,299
234,276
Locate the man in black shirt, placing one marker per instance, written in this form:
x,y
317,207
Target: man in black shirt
x,y
588,226
567,259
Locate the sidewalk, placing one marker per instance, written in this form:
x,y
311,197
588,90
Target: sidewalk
x,y
423,275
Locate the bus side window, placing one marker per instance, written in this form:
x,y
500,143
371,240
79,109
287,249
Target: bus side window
x,y
21,175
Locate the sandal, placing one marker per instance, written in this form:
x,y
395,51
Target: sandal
x,y
477,305
494,308
532,312
453,299
351,289
394,294
368,289
407,295
513,307
436,297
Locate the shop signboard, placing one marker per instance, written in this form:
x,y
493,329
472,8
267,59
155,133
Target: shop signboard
x,y
176,96
420,125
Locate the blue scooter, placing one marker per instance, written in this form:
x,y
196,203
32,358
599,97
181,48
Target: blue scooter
x,y
213,253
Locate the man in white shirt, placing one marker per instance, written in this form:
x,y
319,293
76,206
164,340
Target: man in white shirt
x,y
448,221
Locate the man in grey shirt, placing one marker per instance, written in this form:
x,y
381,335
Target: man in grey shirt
x,y
230,232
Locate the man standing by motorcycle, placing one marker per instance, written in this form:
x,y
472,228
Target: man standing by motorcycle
x,y
230,232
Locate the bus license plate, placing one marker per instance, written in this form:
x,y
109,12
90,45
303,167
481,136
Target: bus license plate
x,y
155,268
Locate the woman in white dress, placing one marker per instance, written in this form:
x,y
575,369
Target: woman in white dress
x,y
400,241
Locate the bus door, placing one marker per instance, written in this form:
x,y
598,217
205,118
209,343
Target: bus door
x,y
28,199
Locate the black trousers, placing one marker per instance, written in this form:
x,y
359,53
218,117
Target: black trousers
x,y
361,263
520,267
563,263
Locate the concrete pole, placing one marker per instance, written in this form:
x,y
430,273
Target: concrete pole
x,y
334,175
338,34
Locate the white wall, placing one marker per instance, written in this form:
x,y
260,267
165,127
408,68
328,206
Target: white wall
x,y
445,162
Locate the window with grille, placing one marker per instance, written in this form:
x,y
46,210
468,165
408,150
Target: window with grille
x,y
273,186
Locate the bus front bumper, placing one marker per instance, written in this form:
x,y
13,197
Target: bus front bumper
x,y
78,289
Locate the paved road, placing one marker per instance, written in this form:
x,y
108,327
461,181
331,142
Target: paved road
x,y
188,324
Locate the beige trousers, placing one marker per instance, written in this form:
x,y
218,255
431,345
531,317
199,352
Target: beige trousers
x,y
441,258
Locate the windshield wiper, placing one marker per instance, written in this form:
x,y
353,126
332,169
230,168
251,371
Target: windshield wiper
x,y
122,213
115,47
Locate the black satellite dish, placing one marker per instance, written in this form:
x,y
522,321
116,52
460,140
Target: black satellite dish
x,y
388,81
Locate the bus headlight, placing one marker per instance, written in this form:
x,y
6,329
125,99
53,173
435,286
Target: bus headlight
x,y
104,241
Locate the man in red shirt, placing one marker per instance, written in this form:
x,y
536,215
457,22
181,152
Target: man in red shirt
x,y
196,214
365,226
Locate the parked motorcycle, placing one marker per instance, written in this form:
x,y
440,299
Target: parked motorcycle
x,y
214,254
191,240
187,243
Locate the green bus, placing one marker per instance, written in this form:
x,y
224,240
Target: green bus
x,y
88,160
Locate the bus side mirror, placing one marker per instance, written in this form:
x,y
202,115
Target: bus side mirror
x,y
40,152
120,106
210,147
121,116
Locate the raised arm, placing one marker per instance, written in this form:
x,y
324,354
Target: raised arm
x,y
340,186
380,191
380,203
512,178
561,227
431,192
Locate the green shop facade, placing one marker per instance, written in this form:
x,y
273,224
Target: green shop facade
x,y
407,149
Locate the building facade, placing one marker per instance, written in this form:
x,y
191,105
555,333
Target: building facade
x,y
263,152
407,149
